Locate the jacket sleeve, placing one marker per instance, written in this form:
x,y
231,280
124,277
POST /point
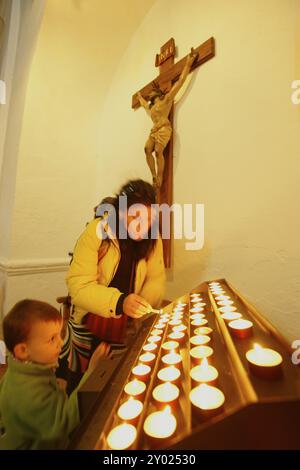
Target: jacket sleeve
x,y
82,278
154,286
53,415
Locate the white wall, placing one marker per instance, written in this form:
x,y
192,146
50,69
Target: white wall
x,y
49,186
236,144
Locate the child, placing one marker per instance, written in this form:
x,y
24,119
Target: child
x,y
35,413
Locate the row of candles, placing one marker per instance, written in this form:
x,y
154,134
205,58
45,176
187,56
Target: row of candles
x,y
263,362
162,423
205,397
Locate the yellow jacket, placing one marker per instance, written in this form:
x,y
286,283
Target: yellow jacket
x,y
87,279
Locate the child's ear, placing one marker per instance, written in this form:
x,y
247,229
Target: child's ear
x,y
21,351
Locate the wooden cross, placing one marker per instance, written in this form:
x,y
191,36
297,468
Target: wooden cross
x,y
169,73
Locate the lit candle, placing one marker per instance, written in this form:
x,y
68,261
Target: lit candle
x,y
175,322
121,437
164,320
200,352
196,310
130,410
172,359
204,373
230,316
227,309
225,303
149,347
177,316
154,339
160,326
142,372
165,394
203,330
198,340
199,322
177,336
199,304
196,300
181,304
218,291
170,346
241,328
156,332
135,388
147,358
161,424
169,374
197,315
207,400
264,362
179,328
223,297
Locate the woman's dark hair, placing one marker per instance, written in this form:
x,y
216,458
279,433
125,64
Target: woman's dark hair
x,y
137,192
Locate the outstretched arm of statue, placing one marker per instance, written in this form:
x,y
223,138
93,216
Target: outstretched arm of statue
x,y
143,102
185,71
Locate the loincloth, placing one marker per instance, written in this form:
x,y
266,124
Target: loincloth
x,y
161,135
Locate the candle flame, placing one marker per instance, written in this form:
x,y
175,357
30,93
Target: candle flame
x,y
167,410
257,347
204,364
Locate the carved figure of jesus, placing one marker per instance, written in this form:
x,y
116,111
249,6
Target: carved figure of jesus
x,y
158,107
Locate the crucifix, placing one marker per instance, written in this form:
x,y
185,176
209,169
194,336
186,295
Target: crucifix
x,y
157,99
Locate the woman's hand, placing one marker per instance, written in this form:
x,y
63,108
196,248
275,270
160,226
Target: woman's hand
x,y
135,306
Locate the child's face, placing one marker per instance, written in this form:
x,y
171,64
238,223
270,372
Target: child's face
x,y
44,343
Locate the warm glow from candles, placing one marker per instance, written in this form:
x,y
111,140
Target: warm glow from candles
x,y
223,297
149,347
147,357
121,437
176,336
196,310
160,326
197,315
206,397
179,328
156,332
225,303
263,356
130,409
135,388
172,359
227,309
175,322
204,372
165,393
203,330
154,339
229,316
199,322
169,374
200,352
170,345
199,339
161,424
199,305
141,370
241,328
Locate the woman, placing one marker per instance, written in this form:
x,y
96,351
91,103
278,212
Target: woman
x,y
112,277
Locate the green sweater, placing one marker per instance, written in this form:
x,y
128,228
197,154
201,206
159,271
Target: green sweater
x,y
34,412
